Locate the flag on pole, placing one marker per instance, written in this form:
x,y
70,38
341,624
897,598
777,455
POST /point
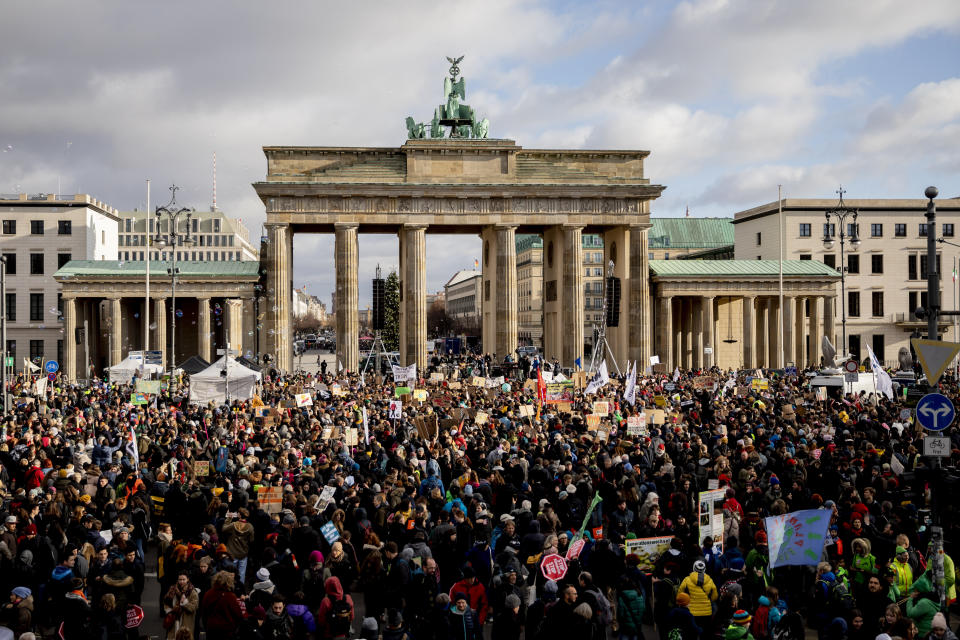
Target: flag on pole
x,y
339,366
578,362
366,425
583,526
131,448
599,381
541,388
676,374
630,389
884,383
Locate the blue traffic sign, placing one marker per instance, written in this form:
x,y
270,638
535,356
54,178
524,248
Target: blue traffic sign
x,y
935,412
51,366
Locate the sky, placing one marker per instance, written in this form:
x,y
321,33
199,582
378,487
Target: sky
x,y
731,97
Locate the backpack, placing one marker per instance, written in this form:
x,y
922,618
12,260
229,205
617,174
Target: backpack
x,y
675,634
840,597
603,616
338,618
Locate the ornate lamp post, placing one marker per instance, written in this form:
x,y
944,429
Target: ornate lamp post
x,y
840,214
174,238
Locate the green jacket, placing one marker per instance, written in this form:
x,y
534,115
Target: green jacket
x,y
630,608
737,632
921,611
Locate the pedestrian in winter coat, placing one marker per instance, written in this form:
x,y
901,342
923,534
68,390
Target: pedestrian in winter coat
x,y
221,609
508,623
921,607
463,624
630,608
939,629
329,616
682,619
739,629
703,593
182,602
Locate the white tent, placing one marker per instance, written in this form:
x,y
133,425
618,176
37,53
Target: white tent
x,y
124,371
211,384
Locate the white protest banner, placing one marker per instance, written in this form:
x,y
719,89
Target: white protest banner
x,y
711,516
648,550
304,400
403,374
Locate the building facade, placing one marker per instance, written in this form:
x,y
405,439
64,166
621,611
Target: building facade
x,y
40,234
219,238
681,238
885,278
462,295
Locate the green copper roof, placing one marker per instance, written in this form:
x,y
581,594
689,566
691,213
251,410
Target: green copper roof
x,y
740,268
690,233
138,268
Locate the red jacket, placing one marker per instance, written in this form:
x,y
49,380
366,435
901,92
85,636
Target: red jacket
x,y
477,597
335,591
221,611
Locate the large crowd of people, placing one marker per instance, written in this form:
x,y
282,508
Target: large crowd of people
x,y
320,509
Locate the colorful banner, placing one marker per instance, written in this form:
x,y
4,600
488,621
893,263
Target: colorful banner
x,y
560,392
797,538
704,383
648,550
148,386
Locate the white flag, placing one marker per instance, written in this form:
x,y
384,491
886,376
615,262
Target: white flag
x,y
339,366
882,378
599,381
132,449
404,374
366,426
630,389
676,374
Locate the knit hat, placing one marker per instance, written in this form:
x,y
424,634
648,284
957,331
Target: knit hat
x,y
741,617
369,624
512,601
550,586
683,599
900,550
760,538
459,595
21,592
263,574
584,611
939,622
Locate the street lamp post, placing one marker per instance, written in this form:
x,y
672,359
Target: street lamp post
x,y
840,214
174,238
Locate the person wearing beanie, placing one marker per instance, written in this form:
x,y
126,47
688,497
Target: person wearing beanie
x,y
739,628
939,629
475,591
682,620
922,606
17,614
630,608
460,619
702,593
369,629
508,622
901,565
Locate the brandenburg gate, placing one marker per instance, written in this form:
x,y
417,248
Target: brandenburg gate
x,y
462,183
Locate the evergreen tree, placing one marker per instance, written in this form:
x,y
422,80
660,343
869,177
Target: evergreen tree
x,y
391,312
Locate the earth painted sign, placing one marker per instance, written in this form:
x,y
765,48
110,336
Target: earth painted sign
x,y
797,538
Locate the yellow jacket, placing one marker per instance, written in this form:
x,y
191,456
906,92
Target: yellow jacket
x,y
904,575
701,597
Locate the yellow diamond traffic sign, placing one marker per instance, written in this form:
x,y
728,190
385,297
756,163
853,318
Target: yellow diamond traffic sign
x,y
934,356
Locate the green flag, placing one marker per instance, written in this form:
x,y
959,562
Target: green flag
x,y
593,505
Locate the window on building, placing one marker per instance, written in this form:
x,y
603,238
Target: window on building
x,y
194,224
922,259
128,225
230,241
238,256
598,303
853,263
876,230
900,230
36,350
948,229
876,304
60,350
830,259
759,238
912,299
912,266
64,227
878,347
806,256
60,303
11,307
876,263
923,230
150,228
11,260
804,229
216,241
851,228
36,227
854,340
12,349
829,229
853,304
216,225
9,227
62,259
36,307
666,256
36,264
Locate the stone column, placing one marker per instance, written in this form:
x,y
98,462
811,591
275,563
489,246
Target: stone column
x,y
553,330
413,304
698,341
234,323
116,331
800,331
249,326
830,325
789,330
203,328
679,351
816,331
70,339
709,331
636,307
618,248
666,334
773,332
280,294
507,321
160,335
572,295
761,333
749,361
348,329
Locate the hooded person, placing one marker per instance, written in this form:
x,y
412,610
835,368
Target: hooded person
x,y
703,593
864,563
335,615
263,590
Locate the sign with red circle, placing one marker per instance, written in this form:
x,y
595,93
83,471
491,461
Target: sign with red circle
x,y
576,549
851,366
553,567
134,617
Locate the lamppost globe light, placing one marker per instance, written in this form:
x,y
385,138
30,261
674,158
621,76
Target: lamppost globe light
x,y
828,243
855,242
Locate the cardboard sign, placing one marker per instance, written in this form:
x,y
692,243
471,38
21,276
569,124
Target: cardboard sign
x,y
657,416
270,499
477,381
436,376
660,401
304,400
337,390
704,383
396,409
602,408
481,418
564,407
760,384
454,385
201,467
637,425
593,422
148,386
420,395
351,437
603,434
526,411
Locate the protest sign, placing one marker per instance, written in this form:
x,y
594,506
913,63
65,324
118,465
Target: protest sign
x,y
601,408
201,467
564,407
711,516
330,533
560,392
454,385
760,384
477,381
704,383
396,409
303,400
648,550
481,418
148,386
270,499
526,411
401,391
797,538
420,395
637,425
138,398
593,422
351,437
